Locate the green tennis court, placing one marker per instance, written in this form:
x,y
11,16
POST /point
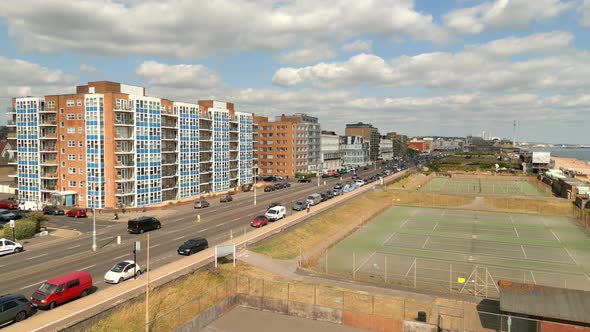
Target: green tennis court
x,y
463,251
482,186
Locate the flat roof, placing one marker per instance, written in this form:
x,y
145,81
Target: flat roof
x,y
543,301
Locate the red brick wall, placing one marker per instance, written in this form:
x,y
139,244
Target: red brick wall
x,y
556,327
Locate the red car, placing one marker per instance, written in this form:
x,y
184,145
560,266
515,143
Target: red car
x,y
259,221
8,204
77,213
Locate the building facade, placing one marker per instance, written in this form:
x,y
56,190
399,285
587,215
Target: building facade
x,y
330,152
385,149
355,151
369,133
111,146
311,131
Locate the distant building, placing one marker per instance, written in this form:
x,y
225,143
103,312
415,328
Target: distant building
x,y
330,149
369,133
355,151
421,145
448,144
311,126
385,149
399,143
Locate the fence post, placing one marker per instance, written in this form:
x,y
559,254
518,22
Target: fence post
x,y
415,268
450,278
385,268
353,266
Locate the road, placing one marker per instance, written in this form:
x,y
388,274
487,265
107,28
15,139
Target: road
x,y
24,272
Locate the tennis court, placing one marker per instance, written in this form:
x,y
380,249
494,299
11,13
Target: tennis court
x,y
463,251
482,186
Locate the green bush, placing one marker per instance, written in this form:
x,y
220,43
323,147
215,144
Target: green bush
x,y
38,218
23,229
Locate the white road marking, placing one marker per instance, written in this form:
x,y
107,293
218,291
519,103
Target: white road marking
x,y
552,232
238,218
155,245
523,252
119,257
36,256
533,275
178,238
88,267
74,247
106,238
203,230
31,285
515,231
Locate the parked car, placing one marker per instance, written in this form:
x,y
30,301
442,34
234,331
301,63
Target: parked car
x,y
14,308
6,215
304,180
330,194
270,178
273,204
64,288
9,247
8,204
226,199
286,185
325,175
299,206
259,221
201,204
29,206
122,271
324,197
142,224
314,199
278,186
337,192
54,210
269,189
77,213
193,246
275,213
338,186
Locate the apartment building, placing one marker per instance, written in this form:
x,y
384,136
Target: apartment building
x,y
400,142
330,152
289,145
111,146
355,151
385,149
369,133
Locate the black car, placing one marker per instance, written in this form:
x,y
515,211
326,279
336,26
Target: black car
x,y
304,180
226,199
324,197
192,246
278,186
269,189
201,204
325,176
299,206
270,178
14,308
273,204
330,194
52,209
286,185
142,224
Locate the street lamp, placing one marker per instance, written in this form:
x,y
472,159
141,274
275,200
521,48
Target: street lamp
x,y
255,175
93,225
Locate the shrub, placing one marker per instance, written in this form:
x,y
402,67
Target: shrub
x,y
23,229
38,218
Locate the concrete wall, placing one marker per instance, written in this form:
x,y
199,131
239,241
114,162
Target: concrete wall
x,y
201,321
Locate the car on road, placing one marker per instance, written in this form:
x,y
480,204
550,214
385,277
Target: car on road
x,y
275,213
259,221
330,194
269,189
226,199
9,247
299,206
201,204
142,224
323,196
62,289
14,308
77,213
278,186
122,271
54,210
193,246
304,180
6,215
273,204
286,185
8,204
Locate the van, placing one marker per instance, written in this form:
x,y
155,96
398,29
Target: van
x,y
314,199
30,206
276,213
62,289
9,247
142,224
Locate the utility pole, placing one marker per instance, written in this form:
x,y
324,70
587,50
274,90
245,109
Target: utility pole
x,y
93,224
514,134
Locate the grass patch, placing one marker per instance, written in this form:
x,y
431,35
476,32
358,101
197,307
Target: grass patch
x,y
314,233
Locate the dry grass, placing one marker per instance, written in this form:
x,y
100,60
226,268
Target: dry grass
x,y
318,231
563,207
408,182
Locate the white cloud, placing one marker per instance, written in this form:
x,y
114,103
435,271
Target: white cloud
x,y
306,55
85,68
486,67
358,46
178,76
504,14
185,28
584,9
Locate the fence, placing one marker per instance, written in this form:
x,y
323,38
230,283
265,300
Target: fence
x,y
337,304
582,216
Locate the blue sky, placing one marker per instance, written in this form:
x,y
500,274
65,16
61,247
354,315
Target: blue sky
x,y
445,67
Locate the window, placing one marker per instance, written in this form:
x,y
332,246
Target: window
x,y
79,130
80,157
71,144
60,288
61,111
50,104
70,103
80,144
72,170
80,170
72,183
63,176
63,150
81,197
79,102
63,138
9,305
62,124
71,130
71,116
79,116
71,156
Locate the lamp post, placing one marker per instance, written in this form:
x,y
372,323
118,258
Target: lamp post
x,y
254,180
93,225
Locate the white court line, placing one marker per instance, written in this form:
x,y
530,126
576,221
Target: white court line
x,y
572,257
365,261
523,252
443,213
409,268
389,238
587,277
74,247
558,240
119,257
31,285
533,275
435,226
88,267
515,231
511,219
425,242
178,238
404,223
36,256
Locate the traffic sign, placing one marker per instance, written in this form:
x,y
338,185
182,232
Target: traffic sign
x,y
12,224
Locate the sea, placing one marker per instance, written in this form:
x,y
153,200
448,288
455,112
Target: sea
x,y
576,153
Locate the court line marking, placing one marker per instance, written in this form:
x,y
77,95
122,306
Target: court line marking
x,y
587,277
533,275
425,242
443,213
523,252
515,231
410,268
404,223
435,225
572,257
365,261
389,238
511,219
552,232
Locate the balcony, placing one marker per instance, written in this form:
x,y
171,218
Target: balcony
x,y
169,124
124,164
119,178
12,161
124,151
46,110
168,112
168,137
124,108
169,161
48,175
48,188
124,122
11,135
10,110
205,160
49,162
124,137
204,128
46,135
46,123
126,192
11,123
48,148
206,137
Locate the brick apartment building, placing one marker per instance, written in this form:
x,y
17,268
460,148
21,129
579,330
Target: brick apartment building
x,y
369,133
110,146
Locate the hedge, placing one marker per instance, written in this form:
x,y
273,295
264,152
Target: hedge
x,y
23,229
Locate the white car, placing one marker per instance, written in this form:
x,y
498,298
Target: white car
x,y
360,182
122,271
9,247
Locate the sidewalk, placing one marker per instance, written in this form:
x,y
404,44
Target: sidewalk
x,y
55,234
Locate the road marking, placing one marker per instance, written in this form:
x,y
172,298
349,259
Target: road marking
x,y
155,245
36,256
74,247
533,275
116,258
88,267
515,231
106,238
178,238
552,232
238,218
31,285
203,230
572,257
425,242
523,252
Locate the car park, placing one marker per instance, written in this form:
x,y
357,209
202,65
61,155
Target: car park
x,y
77,213
142,224
56,291
259,221
304,180
299,206
9,247
122,271
193,246
14,308
275,213
226,199
201,204
54,210
29,206
269,189
6,215
8,204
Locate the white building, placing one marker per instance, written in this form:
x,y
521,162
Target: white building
x,y
355,151
330,151
385,149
